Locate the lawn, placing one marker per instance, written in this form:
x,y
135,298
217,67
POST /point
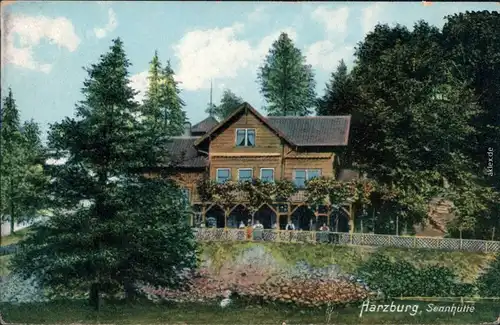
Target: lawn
x,y
14,238
67,312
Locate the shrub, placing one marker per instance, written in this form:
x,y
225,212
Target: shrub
x,y
489,282
401,278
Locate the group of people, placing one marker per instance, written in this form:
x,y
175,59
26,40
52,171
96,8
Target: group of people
x,y
275,226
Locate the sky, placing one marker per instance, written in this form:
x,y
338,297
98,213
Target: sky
x,y
45,45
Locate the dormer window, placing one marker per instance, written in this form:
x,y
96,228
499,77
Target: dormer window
x,y
245,137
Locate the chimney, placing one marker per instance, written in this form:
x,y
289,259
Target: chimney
x,y
187,129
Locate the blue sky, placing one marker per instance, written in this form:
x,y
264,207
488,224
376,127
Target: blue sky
x,y
46,44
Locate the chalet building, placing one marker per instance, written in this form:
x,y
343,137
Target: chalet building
x,y
248,145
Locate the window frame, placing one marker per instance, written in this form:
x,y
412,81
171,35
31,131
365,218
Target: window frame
x,y
245,137
245,169
268,168
306,170
217,175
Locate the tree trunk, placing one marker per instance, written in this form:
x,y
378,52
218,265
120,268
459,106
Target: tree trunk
x,y
95,296
129,290
12,209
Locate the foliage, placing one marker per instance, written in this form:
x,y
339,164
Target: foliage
x,y
400,278
441,112
229,102
340,93
464,39
23,180
162,109
255,192
286,82
111,226
329,191
489,282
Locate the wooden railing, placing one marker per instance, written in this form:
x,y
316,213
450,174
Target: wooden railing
x,y
360,239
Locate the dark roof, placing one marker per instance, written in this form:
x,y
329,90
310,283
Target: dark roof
x,y
184,154
245,107
296,130
205,126
313,130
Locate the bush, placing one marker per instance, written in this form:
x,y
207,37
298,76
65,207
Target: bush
x,y
489,282
401,278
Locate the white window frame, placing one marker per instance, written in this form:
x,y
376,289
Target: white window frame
x,y
217,174
306,171
246,137
268,168
240,169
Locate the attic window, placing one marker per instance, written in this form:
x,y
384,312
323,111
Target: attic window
x,y
245,137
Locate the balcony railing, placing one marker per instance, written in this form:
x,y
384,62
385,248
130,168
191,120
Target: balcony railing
x,y
359,239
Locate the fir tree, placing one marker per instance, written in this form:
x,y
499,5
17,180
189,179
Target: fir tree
x,y
23,180
112,227
340,94
286,82
228,104
163,107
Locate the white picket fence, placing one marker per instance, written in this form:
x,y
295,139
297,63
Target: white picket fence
x,y
360,239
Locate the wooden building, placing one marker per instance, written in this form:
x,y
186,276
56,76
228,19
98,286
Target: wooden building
x,y
248,145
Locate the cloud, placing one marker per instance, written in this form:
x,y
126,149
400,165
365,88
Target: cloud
x,y
110,26
372,15
334,20
259,14
30,30
326,55
213,54
139,82
209,54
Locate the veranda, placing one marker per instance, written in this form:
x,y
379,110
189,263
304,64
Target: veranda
x,y
304,216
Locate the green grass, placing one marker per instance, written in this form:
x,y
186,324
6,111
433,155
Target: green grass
x,y
14,238
148,313
467,265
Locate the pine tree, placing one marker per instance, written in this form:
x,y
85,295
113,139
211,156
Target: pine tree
x,y
286,82
163,107
340,94
112,227
23,180
176,116
228,104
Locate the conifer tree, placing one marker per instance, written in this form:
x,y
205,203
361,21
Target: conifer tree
x,y
112,228
163,107
23,180
228,104
286,81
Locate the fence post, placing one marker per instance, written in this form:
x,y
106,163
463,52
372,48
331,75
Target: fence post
x,y
414,241
486,246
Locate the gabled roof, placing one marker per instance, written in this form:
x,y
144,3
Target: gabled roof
x,y
205,126
184,154
313,130
245,107
297,130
